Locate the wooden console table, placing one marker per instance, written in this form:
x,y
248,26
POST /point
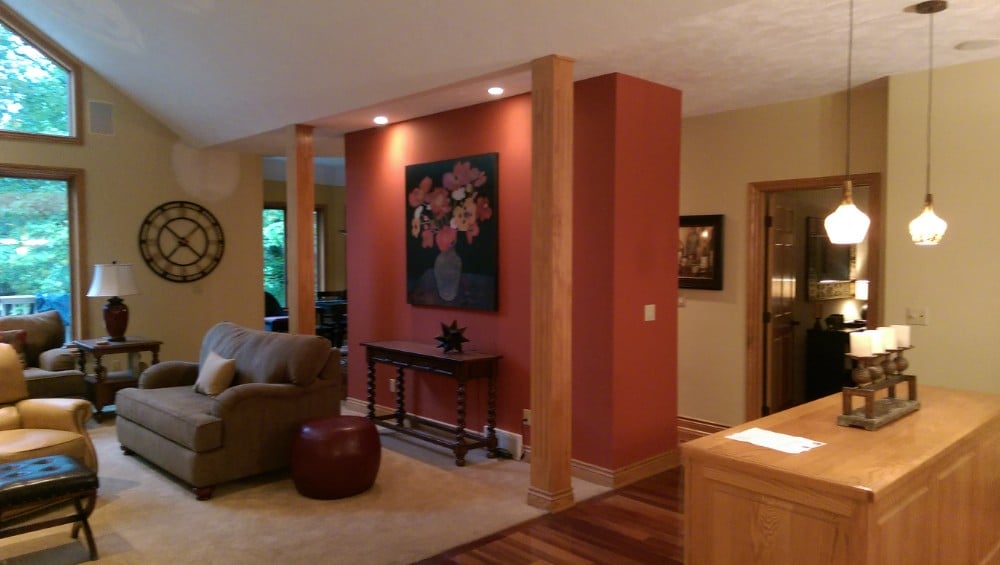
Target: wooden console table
x,y
462,367
922,489
102,385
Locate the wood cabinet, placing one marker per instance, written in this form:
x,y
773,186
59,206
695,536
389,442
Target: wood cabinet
x,y
924,489
827,367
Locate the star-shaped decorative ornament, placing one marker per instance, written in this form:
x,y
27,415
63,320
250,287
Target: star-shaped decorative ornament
x,y
451,338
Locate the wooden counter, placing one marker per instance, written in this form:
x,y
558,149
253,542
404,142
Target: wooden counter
x,y
924,489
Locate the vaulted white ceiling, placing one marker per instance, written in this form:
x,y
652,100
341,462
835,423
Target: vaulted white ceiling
x,y
231,73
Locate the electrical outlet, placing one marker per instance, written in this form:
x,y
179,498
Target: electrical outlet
x,y
392,385
917,316
526,417
649,313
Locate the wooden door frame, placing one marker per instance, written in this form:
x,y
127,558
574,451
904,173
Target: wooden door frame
x,y
757,193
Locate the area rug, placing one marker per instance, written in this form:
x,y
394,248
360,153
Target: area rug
x,y
421,505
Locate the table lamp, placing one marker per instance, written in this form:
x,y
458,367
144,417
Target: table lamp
x,y
114,280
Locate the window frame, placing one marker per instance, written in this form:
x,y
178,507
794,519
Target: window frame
x,y
319,241
60,57
75,188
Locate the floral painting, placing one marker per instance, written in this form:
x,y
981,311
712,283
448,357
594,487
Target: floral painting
x,y
451,235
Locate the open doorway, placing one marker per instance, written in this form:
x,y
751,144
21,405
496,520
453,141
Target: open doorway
x,y
780,307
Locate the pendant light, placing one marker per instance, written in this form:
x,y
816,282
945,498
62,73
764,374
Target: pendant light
x,y
928,228
847,224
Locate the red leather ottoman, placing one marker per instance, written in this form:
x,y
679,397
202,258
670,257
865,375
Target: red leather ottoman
x,y
335,457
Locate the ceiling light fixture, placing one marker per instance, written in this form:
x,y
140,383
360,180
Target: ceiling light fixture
x,y
381,120
494,91
928,228
847,224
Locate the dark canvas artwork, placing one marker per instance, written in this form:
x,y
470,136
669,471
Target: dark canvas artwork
x,y
451,239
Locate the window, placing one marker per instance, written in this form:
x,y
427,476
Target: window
x,y
39,94
275,276
39,267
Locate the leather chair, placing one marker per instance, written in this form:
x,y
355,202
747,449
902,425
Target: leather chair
x,y
37,427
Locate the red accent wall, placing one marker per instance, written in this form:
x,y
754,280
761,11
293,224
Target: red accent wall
x,y
626,177
626,186
376,232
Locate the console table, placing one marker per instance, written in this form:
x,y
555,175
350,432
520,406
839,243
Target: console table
x,y
922,489
462,367
102,385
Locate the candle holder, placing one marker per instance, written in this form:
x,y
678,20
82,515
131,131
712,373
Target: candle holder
x,y
902,364
875,373
862,374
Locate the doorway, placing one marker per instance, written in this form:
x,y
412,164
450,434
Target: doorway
x,y
777,284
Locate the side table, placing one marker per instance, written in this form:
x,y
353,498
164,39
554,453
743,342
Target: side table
x,y
461,367
102,385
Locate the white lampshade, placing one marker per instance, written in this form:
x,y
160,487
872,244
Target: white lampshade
x,y
927,228
113,279
861,289
847,224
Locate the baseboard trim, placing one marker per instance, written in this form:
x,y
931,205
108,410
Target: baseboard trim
x,y
690,428
361,407
616,478
611,478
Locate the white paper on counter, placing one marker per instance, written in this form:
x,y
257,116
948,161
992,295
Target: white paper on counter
x,y
774,440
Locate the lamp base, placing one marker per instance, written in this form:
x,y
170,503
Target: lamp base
x,y
115,318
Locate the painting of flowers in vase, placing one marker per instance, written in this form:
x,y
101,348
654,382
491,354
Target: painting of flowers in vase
x,y
451,236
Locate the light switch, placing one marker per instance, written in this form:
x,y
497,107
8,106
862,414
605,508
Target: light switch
x,y
649,312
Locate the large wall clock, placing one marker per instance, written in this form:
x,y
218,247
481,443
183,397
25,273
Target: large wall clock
x,y
181,241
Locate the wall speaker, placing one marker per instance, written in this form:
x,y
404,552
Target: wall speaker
x,y
102,118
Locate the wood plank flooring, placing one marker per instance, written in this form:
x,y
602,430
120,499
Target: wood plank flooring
x,y
639,523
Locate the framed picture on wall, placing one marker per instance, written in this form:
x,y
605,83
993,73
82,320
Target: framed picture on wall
x,y
699,252
451,235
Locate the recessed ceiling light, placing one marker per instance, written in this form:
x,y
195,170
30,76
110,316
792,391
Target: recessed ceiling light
x,y
495,90
381,120
975,44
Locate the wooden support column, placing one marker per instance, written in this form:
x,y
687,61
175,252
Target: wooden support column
x,y
551,282
300,265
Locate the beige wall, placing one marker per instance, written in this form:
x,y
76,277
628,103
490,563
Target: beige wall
x,y
957,280
720,155
333,199
127,175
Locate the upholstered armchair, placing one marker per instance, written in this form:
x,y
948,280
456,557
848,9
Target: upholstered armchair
x,y
36,427
50,370
234,413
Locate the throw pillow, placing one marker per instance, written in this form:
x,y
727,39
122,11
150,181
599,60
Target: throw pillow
x,y
215,374
13,388
16,339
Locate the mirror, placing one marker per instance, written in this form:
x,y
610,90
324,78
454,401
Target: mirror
x,y
829,266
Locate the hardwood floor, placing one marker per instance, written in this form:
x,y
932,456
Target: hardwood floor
x,y
639,523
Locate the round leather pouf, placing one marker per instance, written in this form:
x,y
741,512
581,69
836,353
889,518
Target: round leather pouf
x,y
335,457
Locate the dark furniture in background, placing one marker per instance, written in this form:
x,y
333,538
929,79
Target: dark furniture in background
x,y
462,367
102,385
828,369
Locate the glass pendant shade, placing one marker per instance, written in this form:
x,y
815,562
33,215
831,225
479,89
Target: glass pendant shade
x,y
847,224
927,228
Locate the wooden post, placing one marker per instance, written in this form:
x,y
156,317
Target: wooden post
x,y
551,282
300,262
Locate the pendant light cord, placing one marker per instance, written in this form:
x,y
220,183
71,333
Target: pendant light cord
x,y
850,50
930,99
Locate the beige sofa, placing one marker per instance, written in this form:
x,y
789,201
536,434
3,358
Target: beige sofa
x,y
52,371
38,427
280,380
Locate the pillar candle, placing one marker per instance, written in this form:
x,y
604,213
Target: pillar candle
x,y
902,335
861,344
878,342
889,337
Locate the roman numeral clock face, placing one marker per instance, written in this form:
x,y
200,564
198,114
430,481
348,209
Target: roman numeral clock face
x,y
181,241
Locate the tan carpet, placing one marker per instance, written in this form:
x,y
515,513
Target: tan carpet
x,y
421,505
